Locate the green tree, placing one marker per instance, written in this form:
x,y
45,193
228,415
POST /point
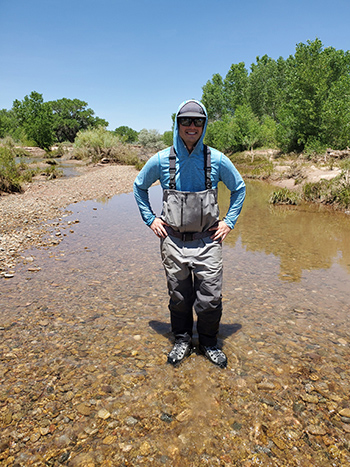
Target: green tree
x,y
35,117
266,83
8,123
248,125
71,116
310,75
236,87
336,115
213,98
127,134
167,138
223,134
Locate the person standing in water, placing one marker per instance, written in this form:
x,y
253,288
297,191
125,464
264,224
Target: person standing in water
x,y
189,229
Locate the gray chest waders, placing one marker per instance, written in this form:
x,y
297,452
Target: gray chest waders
x,y
186,211
191,259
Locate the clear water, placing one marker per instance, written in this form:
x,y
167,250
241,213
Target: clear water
x,y
96,313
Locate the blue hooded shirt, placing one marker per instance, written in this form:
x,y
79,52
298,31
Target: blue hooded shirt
x,y
189,174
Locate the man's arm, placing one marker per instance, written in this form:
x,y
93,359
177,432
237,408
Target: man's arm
x,y
234,182
147,176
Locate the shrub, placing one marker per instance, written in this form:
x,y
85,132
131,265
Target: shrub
x,y
335,191
284,196
167,138
99,143
151,140
9,172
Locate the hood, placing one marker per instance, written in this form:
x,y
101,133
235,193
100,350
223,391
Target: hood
x,y
179,145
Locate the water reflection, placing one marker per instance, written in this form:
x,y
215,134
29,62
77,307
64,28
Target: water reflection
x,y
304,238
66,167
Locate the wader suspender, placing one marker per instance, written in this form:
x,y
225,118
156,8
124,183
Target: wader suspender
x,y
207,167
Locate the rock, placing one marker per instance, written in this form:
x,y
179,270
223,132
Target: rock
x,y
346,427
309,398
266,386
131,421
83,409
145,448
316,430
104,414
184,415
109,440
345,412
35,437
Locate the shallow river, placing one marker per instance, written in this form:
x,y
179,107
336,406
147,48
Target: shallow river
x,y
85,334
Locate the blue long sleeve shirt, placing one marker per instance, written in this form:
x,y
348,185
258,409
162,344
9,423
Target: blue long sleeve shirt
x,y
189,175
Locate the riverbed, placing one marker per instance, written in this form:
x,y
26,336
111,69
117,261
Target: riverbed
x,y
85,335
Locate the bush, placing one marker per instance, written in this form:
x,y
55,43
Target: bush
x,y
126,134
333,192
284,196
167,138
99,143
314,147
151,140
9,172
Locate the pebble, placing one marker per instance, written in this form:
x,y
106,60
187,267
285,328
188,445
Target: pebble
x,y
83,409
104,414
345,412
316,430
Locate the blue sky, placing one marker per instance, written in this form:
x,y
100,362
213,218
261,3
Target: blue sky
x,y
135,61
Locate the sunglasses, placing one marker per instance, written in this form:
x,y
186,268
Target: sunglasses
x,y
187,121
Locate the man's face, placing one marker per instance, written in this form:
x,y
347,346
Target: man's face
x,y
190,134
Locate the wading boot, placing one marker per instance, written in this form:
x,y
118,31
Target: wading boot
x,y
182,349
214,354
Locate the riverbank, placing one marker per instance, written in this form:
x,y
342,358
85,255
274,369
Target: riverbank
x,y
26,218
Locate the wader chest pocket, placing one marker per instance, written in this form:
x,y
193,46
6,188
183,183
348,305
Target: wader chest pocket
x,y
190,211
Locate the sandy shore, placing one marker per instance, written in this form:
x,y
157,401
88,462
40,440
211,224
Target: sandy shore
x,y
24,217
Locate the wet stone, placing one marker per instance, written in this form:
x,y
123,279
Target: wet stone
x,y
83,409
165,417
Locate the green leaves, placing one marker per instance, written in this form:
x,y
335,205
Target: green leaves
x,y
35,116
43,123
307,96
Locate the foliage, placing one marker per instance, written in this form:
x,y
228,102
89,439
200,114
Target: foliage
x,y
307,96
151,140
335,191
34,122
10,175
213,98
284,196
222,134
126,134
167,138
71,116
8,123
99,143
13,174
237,133
35,117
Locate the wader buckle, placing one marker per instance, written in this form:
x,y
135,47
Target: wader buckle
x,y
187,237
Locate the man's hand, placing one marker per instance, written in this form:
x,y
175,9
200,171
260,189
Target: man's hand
x,y
158,227
221,231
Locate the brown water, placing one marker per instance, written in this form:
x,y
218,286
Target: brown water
x,y
90,331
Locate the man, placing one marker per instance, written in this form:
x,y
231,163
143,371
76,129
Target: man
x,y
189,228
